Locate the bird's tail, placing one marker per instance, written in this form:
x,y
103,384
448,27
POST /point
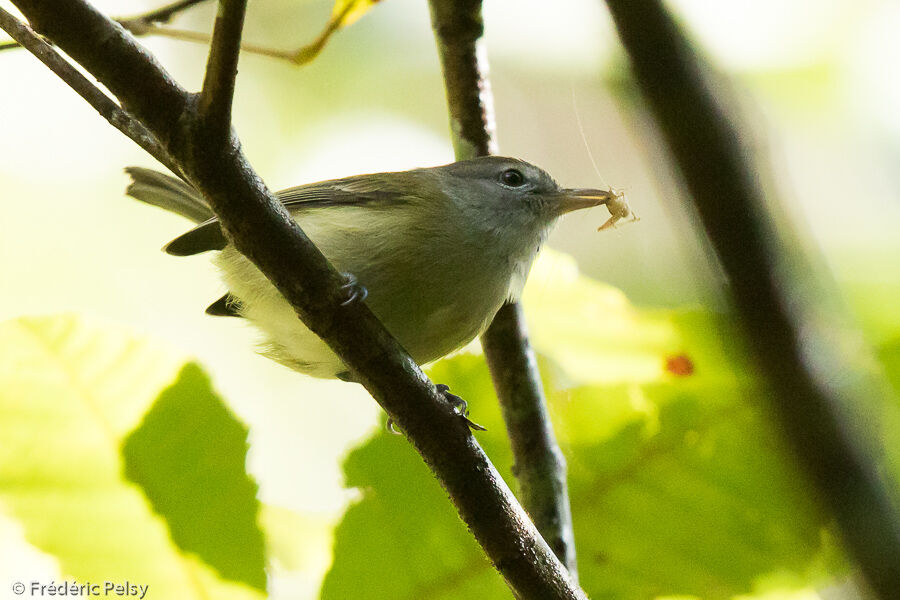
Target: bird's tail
x,y
167,192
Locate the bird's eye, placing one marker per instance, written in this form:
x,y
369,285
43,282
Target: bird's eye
x,y
512,178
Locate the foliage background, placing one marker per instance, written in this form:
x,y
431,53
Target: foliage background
x,y
815,79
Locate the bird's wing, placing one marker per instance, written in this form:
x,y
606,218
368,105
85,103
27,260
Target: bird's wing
x,y
226,306
167,192
365,189
202,238
353,191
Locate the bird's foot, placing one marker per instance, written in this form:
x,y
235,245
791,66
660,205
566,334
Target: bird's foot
x,y
460,406
354,291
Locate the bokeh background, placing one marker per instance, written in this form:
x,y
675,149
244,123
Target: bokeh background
x,y
816,80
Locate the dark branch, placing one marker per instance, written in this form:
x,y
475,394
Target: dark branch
x,y
458,29
815,388
263,231
540,466
102,103
221,69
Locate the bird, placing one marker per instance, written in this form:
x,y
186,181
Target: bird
x,y
434,252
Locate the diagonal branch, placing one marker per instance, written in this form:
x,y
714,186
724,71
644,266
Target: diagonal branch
x,y
264,232
103,104
539,463
801,350
217,95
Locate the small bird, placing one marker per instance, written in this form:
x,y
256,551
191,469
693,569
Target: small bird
x,y
434,252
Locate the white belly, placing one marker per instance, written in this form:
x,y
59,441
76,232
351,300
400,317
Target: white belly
x,y
433,301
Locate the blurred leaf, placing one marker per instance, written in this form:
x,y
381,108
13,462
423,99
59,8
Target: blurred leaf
x,y
678,486
402,539
693,495
188,455
590,330
889,418
69,395
889,354
348,12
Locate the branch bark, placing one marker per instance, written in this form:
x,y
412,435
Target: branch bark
x,y
540,467
814,386
262,230
217,94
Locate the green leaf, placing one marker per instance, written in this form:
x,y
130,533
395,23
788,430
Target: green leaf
x,y
679,487
589,329
694,496
402,539
188,455
70,393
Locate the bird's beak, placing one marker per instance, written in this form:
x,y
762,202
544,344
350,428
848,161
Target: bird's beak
x,y
575,199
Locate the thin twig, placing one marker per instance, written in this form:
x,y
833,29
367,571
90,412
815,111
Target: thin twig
x,y
148,24
300,56
217,94
265,233
103,104
163,14
816,390
539,464
204,38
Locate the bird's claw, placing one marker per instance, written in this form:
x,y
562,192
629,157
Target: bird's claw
x,y
355,291
460,406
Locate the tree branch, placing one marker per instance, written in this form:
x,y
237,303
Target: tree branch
x,y
458,29
540,467
815,388
217,94
93,95
262,230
